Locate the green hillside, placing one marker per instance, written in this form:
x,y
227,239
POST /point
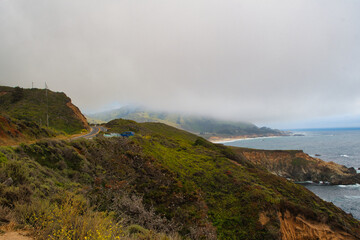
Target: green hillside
x,y
32,105
235,192
203,126
13,131
162,183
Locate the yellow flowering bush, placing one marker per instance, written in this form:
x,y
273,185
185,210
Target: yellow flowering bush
x,y
71,219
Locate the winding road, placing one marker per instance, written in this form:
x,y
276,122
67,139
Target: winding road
x,y
94,131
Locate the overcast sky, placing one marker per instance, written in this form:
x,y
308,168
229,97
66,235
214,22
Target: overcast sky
x,y
276,63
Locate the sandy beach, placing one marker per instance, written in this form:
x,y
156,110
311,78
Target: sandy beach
x,y
237,138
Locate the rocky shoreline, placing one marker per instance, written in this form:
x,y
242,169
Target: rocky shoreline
x,y
297,166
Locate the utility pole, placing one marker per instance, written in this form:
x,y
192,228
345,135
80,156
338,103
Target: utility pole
x,y
47,105
32,85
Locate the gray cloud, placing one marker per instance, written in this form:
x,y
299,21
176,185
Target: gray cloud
x,y
261,61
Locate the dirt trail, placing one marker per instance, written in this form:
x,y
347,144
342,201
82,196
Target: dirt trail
x,y
20,235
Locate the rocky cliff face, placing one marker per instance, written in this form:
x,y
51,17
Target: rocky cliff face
x,y
298,227
78,114
298,166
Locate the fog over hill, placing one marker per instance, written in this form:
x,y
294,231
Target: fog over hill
x,y
205,72
264,62
207,127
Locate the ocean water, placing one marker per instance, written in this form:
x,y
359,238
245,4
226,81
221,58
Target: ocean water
x,y
341,146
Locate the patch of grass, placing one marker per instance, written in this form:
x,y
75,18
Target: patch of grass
x,y
299,162
3,158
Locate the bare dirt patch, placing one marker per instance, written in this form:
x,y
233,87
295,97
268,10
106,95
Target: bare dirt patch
x,y
19,235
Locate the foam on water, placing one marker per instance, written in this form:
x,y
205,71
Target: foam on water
x,y
352,197
305,182
350,186
243,139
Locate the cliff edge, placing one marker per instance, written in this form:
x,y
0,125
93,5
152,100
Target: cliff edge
x,y
299,166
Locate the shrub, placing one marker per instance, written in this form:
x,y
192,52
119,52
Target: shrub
x,y
17,94
3,158
16,170
72,218
136,229
132,211
138,232
202,142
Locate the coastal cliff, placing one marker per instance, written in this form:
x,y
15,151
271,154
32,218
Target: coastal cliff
x,y
299,166
162,181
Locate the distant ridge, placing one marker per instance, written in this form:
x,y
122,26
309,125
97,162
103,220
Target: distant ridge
x,y
207,127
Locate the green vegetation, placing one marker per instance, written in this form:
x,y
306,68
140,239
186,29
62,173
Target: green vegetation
x,y
13,131
163,183
203,126
243,190
77,199
17,94
299,162
32,105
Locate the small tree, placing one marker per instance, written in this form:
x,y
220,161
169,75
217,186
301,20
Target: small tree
x,y
17,94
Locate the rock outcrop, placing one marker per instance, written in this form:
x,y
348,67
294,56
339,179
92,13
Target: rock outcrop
x,y
299,228
78,114
299,166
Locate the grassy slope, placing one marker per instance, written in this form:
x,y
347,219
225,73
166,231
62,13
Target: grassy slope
x,y
13,131
32,107
193,186
235,195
